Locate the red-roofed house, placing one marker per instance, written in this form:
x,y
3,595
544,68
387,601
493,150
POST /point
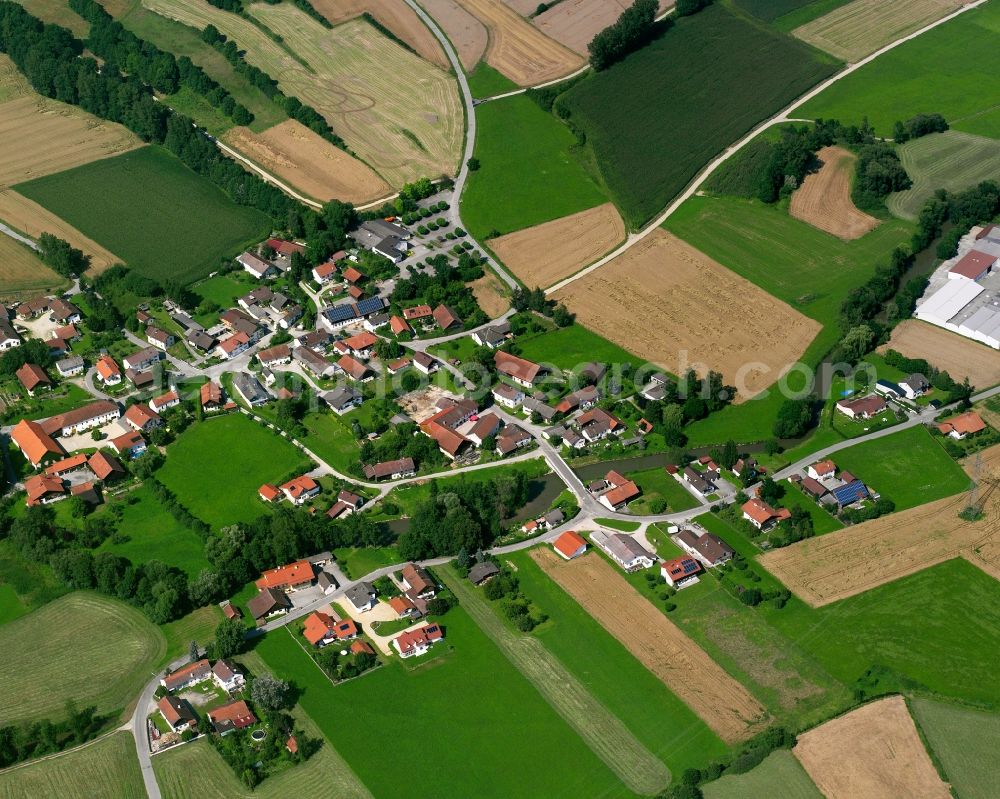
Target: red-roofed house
x,y
822,470
354,369
268,492
67,465
187,675
169,400
33,378
445,317
234,716
290,577
43,489
404,607
414,643
283,247
974,265
319,628
521,371
300,489
234,345
362,345
417,312
108,371
131,443
570,545
967,424
352,275
211,397
177,713
761,515
35,444
680,572
141,417
106,467
863,408
398,326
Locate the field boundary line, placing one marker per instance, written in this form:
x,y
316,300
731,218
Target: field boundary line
x,y
54,755
604,733
780,117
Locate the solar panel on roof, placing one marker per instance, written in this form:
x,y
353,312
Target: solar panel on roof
x,y
370,306
850,493
689,566
339,313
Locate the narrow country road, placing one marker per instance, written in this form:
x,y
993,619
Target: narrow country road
x,y
9,231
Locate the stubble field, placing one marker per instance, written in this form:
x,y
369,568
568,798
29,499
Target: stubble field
x,y
860,557
692,300
309,163
574,23
32,219
396,16
21,271
467,34
404,129
489,293
959,356
517,48
544,254
824,198
723,703
853,31
870,753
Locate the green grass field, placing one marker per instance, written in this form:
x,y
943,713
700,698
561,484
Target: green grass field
x,y
359,561
660,720
484,716
147,207
951,160
11,605
703,84
331,438
964,741
780,775
908,467
24,584
823,522
618,524
200,468
83,646
224,289
484,81
155,535
918,626
569,347
528,173
657,483
930,74
107,769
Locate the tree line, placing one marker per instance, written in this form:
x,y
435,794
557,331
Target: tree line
x,y
161,70
634,28
20,742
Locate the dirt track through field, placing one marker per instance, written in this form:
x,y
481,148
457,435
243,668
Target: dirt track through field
x,y
468,35
517,48
824,198
960,357
32,219
575,22
673,306
546,253
859,28
309,163
873,752
39,137
396,16
864,556
721,702
602,731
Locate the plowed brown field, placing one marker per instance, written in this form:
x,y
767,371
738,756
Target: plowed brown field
x,y
959,356
824,198
467,34
29,217
39,137
723,703
873,752
309,163
861,557
395,15
674,306
544,254
517,48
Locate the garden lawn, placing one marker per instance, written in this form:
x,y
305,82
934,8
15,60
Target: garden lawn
x,y
359,561
154,534
331,438
964,741
527,174
465,685
779,775
908,467
661,721
108,769
949,70
164,220
618,524
823,522
83,646
656,118
223,290
217,466
199,625
570,347
919,626
658,483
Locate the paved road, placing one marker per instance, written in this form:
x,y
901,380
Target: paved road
x,y
9,231
782,116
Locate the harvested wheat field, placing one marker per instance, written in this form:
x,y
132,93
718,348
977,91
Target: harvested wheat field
x,y
961,357
309,163
873,752
824,198
546,253
863,26
39,137
404,129
691,299
396,16
723,703
575,22
13,84
32,219
466,33
489,294
517,48
863,556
